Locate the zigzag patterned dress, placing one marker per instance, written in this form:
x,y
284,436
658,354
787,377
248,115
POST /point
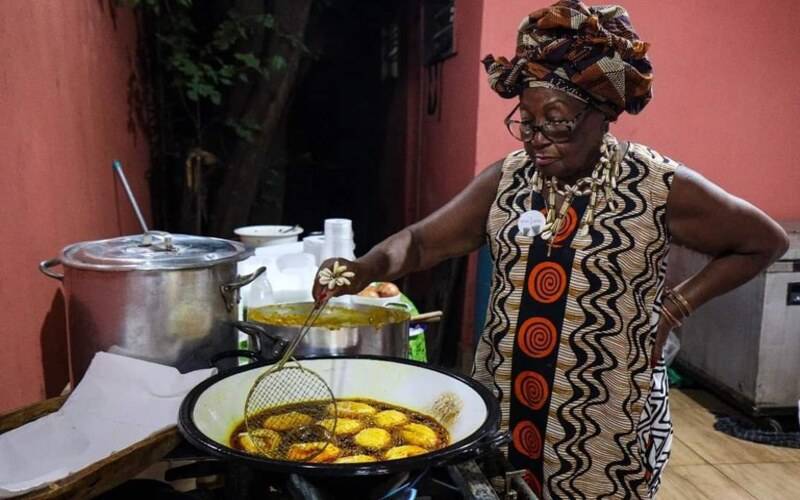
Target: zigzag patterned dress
x,y
567,342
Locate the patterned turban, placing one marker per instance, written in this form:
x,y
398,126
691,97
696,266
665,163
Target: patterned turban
x,y
592,53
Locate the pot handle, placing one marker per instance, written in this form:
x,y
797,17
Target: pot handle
x,y
498,438
259,334
236,353
45,266
483,446
230,291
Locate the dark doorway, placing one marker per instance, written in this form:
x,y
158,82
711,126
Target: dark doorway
x,y
346,128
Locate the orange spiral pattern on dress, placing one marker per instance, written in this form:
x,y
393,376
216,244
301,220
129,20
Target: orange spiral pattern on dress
x,y
530,389
568,225
547,282
527,439
537,337
534,483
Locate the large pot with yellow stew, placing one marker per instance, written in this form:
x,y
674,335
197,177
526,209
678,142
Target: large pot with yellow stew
x,y
340,330
164,298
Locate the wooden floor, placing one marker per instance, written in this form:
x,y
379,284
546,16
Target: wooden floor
x,y
707,464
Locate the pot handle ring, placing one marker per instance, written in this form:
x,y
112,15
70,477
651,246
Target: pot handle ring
x,y
230,291
259,333
484,445
236,353
45,266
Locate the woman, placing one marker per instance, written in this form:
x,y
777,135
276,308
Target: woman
x,y
578,312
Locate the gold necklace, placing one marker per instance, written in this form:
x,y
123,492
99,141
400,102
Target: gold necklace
x,y
604,176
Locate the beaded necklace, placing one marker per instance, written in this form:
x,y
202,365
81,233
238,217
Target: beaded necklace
x,y
604,177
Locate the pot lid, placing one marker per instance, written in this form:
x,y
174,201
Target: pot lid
x,y
153,250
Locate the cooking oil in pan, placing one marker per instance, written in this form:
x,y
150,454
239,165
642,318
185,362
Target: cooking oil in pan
x,y
365,431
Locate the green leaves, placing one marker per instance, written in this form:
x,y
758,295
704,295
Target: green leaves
x,y
246,129
249,60
203,65
277,63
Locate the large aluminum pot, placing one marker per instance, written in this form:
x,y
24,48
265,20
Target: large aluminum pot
x,y
351,330
159,297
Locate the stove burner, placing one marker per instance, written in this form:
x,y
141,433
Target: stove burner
x,y
488,478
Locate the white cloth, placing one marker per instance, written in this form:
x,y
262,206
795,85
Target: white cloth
x,y
119,402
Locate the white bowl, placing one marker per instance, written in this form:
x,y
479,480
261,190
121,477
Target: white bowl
x,y
262,236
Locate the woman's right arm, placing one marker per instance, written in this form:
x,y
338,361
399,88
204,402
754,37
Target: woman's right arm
x,y
456,229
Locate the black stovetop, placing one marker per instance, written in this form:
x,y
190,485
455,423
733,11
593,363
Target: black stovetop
x,y
482,479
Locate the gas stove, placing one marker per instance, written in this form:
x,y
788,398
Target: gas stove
x,y
489,477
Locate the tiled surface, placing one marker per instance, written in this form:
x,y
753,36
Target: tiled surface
x,y
707,464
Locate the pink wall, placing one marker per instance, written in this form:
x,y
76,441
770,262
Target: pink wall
x,y
726,94
448,138
442,147
63,103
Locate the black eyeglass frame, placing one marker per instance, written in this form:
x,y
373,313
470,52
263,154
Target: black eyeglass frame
x,y
571,124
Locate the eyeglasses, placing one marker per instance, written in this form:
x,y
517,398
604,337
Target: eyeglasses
x,y
554,131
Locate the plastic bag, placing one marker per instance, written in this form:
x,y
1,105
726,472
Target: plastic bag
x,y
671,348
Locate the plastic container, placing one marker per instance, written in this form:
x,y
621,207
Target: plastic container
x,y
257,294
262,236
313,245
417,350
338,240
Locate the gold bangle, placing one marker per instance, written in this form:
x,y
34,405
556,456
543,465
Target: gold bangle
x,y
681,301
678,306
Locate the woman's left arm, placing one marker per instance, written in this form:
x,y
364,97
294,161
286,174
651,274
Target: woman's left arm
x,y
741,240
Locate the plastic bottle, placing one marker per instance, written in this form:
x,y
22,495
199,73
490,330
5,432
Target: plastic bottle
x,y
257,294
338,239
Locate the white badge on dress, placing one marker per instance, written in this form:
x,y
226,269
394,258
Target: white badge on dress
x,y
531,223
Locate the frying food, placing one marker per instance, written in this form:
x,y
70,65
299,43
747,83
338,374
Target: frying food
x,y
287,421
364,431
259,441
356,459
299,452
390,418
344,426
419,435
405,451
352,409
374,438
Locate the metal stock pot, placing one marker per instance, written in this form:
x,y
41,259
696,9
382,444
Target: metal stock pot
x,y
157,296
340,330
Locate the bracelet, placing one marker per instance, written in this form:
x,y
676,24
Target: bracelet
x,y
679,300
678,306
671,319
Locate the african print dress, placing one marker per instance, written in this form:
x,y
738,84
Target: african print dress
x,y
568,338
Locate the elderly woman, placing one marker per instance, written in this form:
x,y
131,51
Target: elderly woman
x,y
579,225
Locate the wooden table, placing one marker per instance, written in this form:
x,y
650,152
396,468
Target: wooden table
x,y
100,476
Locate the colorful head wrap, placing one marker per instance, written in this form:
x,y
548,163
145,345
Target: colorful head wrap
x,y
592,53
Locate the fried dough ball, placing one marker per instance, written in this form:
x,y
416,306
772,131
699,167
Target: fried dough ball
x,y
352,409
287,421
419,435
373,438
259,441
390,418
405,451
310,452
344,426
356,459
